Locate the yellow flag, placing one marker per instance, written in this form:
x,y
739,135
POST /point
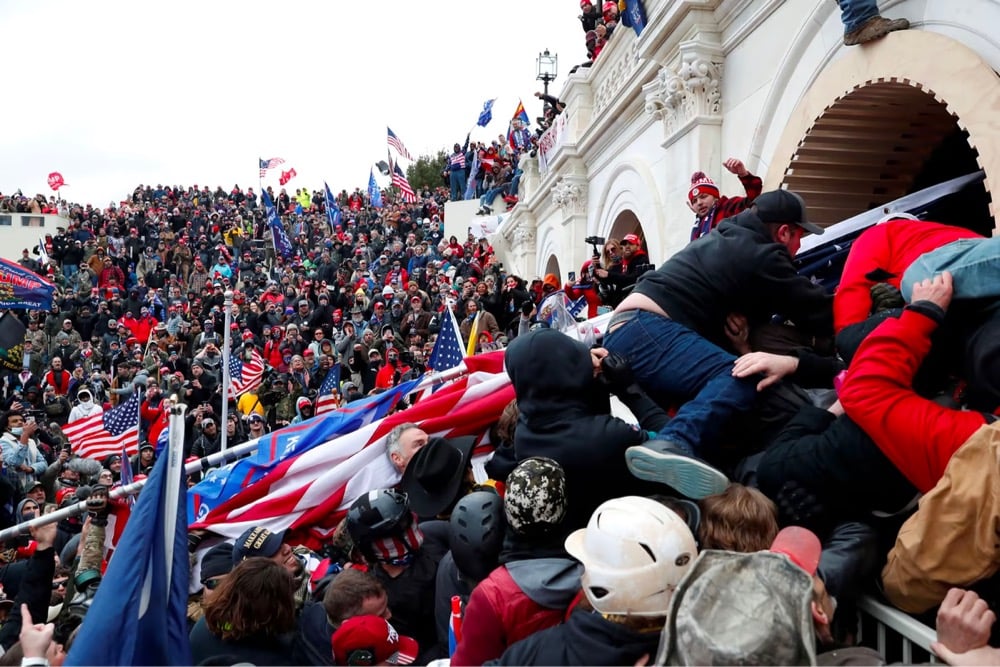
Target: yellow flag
x,y
473,336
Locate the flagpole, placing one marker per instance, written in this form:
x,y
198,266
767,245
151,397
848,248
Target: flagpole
x,y
213,460
226,379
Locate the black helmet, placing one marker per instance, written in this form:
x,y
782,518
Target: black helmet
x,y
377,514
476,534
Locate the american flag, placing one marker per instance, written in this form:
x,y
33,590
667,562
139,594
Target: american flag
x,y
269,164
244,376
326,400
447,352
399,180
99,436
398,145
309,494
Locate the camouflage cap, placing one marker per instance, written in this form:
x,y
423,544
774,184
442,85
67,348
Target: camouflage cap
x,y
535,500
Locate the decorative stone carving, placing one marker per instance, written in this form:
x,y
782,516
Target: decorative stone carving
x,y
621,59
692,90
524,237
570,195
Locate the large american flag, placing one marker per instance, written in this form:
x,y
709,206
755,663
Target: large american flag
x,y
399,180
447,352
326,401
99,436
244,376
269,164
309,494
398,145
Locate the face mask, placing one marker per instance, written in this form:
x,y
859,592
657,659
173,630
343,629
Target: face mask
x,y
17,430
86,402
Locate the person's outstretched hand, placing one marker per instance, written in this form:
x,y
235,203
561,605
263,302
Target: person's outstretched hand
x,y
35,637
937,290
773,366
735,166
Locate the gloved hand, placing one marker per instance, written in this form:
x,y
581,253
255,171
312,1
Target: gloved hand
x,y
799,506
616,372
97,505
885,297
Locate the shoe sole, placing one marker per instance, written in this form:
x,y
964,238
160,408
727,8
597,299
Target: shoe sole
x,y
689,476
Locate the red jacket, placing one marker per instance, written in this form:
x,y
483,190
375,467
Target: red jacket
x,y
916,434
383,379
727,207
892,247
498,614
590,292
157,418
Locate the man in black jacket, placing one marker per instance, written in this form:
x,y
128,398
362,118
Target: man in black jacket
x,y
671,327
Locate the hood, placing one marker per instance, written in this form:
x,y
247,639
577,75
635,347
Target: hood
x,y
549,582
550,372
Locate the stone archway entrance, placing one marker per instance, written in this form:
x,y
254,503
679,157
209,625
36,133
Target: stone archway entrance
x,y
552,266
890,119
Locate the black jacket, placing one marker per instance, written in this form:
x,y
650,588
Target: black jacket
x,y
312,638
585,639
565,415
737,268
205,645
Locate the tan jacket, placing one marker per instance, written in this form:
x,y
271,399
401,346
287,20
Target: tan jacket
x,y
954,537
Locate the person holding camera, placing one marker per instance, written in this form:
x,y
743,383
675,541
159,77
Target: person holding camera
x,y
22,460
619,280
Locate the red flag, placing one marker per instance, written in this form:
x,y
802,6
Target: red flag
x,y
287,176
56,180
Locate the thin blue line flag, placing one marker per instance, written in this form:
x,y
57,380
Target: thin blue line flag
x,y
333,214
139,615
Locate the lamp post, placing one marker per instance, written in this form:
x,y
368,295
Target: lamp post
x,y
226,380
547,65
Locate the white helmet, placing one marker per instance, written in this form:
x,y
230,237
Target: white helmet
x,y
634,553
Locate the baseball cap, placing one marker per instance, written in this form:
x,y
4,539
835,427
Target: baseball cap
x,y
257,542
800,545
784,206
631,238
377,638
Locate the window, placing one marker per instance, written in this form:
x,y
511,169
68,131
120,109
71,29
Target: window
x,y
6,220
32,220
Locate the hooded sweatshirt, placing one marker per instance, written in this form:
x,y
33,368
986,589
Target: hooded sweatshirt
x,y
565,415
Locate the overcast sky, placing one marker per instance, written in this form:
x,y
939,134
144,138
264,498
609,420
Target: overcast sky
x,y
113,93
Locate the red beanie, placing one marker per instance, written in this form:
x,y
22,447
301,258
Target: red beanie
x,y
702,184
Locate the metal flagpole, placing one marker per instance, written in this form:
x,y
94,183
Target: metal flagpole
x,y
227,352
220,458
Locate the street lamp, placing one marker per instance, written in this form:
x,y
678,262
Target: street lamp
x,y
547,65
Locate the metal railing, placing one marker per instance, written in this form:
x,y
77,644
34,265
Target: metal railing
x,y
897,636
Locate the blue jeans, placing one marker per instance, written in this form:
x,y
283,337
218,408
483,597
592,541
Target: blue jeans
x,y
456,179
974,265
491,194
668,358
854,13
70,270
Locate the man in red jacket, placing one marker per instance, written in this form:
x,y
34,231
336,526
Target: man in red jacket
x,y
882,254
710,208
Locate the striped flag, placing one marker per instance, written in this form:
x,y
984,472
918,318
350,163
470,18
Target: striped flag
x,y
326,401
244,376
99,436
43,256
399,180
395,143
447,352
310,493
269,164
455,624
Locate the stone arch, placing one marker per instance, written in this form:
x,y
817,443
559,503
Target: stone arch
x,y
630,196
552,266
910,83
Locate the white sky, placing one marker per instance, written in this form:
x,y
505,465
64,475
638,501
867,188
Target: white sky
x,y
116,93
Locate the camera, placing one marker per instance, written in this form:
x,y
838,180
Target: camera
x,y
595,241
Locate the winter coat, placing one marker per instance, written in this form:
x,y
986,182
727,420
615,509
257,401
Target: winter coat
x,y
565,415
586,638
515,601
256,651
738,268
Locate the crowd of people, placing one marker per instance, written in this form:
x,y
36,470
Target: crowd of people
x,y
789,449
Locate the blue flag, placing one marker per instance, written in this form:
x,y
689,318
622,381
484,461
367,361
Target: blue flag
x,y
634,15
374,193
221,484
486,115
139,615
281,243
333,214
23,289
